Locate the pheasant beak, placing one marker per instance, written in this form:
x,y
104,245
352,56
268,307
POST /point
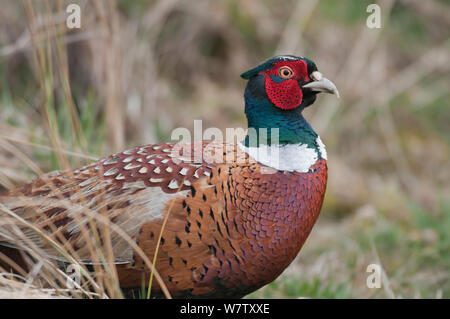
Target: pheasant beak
x,y
321,84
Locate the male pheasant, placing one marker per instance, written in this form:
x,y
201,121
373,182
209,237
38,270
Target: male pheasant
x,y
234,215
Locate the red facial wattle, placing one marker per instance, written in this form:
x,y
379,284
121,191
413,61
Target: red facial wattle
x,y
286,94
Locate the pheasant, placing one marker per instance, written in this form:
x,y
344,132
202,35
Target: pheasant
x,y
227,218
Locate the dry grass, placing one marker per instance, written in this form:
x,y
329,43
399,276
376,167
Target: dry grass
x,y
136,70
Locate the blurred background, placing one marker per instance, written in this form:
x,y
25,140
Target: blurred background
x,y
137,69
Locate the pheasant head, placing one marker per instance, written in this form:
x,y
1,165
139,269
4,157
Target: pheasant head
x,y
288,82
277,92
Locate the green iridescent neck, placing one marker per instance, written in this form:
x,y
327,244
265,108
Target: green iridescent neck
x,y
263,117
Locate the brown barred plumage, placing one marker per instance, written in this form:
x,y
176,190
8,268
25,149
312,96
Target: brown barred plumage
x,y
231,230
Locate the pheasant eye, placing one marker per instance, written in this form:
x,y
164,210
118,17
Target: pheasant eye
x,y
285,72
